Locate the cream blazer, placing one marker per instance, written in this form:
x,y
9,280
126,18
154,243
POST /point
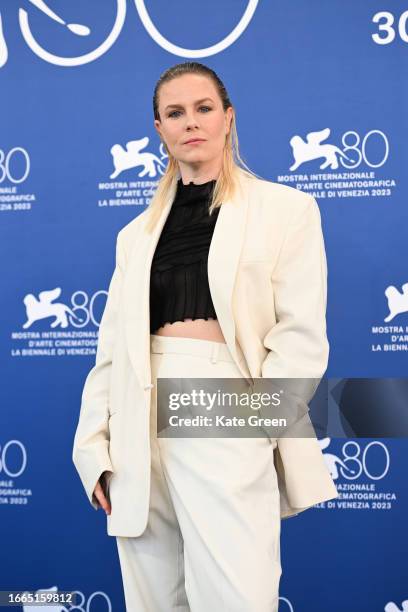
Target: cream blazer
x,y
268,279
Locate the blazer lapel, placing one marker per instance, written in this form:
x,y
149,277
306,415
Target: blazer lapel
x,y
223,258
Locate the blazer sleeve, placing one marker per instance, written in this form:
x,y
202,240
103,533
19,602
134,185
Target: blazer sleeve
x,y
297,343
91,442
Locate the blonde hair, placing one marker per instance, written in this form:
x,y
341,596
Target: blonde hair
x,y
232,163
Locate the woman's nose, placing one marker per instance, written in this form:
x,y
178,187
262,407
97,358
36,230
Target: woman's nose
x,y
191,122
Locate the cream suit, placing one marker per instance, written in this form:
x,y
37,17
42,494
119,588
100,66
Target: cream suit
x,y
268,280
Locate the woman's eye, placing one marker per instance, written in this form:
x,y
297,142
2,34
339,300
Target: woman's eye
x,y
173,113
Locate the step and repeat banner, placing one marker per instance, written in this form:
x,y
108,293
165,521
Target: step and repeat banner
x,y
320,92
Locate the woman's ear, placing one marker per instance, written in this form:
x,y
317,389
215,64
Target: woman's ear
x,y
157,125
229,115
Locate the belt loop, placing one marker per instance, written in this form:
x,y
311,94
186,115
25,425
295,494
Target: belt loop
x,y
214,352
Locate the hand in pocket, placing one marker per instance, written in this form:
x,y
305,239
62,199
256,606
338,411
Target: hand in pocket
x,y
100,492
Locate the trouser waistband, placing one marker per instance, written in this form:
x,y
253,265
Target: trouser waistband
x,y
216,351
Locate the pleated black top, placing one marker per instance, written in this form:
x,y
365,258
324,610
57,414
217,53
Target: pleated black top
x,y
179,286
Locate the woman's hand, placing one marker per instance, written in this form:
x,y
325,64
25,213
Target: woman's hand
x,y
100,495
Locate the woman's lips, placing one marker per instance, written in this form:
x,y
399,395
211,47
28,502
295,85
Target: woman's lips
x,y
198,141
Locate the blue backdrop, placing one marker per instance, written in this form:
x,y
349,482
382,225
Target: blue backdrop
x,y
320,92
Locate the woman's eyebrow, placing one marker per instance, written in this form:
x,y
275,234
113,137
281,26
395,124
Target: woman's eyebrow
x,y
197,102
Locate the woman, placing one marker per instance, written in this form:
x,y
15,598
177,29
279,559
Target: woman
x,y
228,274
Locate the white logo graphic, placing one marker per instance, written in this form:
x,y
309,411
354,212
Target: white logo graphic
x,y
13,463
6,160
362,467
84,30
356,457
13,445
313,149
289,607
332,460
132,156
37,309
392,607
397,302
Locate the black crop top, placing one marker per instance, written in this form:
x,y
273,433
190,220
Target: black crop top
x,y
179,286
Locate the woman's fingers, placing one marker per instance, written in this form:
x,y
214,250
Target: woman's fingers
x,y
99,494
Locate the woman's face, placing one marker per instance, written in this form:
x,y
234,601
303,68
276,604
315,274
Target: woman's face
x,y
190,107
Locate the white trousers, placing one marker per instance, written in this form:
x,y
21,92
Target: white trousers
x,y
212,542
